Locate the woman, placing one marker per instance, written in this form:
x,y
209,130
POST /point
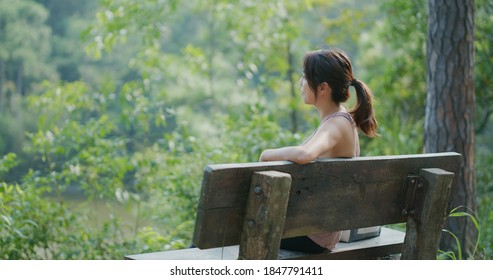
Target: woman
x,y
327,76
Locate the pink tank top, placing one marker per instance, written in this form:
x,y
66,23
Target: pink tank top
x,y
348,117
330,239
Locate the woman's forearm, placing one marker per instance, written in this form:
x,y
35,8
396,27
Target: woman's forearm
x,y
294,153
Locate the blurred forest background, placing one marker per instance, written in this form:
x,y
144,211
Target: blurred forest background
x,y
110,110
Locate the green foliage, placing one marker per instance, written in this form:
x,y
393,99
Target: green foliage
x,y
121,18
253,131
8,162
394,55
83,143
12,131
24,47
29,225
483,66
484,161
450,254
179,85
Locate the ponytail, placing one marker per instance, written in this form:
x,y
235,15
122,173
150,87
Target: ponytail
x,y
362,113
334,68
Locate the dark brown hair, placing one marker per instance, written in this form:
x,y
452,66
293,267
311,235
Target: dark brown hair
x,y
334,68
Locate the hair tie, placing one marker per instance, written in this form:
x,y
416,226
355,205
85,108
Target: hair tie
x,y
353,82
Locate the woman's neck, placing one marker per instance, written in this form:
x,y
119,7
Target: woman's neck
x,y
329,110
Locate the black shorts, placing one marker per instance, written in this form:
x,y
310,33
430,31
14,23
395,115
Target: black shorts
x,y
301,244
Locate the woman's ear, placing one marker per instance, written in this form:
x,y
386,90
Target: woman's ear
x,y
324,88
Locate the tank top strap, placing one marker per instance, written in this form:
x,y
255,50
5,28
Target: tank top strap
x,y
345,115
348,117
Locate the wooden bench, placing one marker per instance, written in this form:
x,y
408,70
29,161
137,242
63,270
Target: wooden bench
x,y
245,209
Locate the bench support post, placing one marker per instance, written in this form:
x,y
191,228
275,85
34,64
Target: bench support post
x,y
426,219
265,215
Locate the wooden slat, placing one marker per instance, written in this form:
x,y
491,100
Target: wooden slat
x,y
389,242
425,222
371,190
265,214
220,253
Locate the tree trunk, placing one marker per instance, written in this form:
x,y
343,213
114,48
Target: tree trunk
x,y
291,71
210,58
19,84
2,85
449,118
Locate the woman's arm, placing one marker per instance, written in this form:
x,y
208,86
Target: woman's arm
x,y
293,153
322,141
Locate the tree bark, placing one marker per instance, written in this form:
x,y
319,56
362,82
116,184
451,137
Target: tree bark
x,y
291,71
2,85
449,117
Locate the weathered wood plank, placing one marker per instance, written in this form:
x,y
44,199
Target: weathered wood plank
x,y
425,221
219,253
360,186
264,220
226,223
225,185
389,242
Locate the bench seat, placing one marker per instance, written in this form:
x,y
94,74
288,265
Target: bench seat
x,y
388,243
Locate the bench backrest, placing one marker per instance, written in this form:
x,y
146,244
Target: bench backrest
x,y
325,195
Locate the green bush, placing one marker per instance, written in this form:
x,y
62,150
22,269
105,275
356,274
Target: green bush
x,y
484,161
